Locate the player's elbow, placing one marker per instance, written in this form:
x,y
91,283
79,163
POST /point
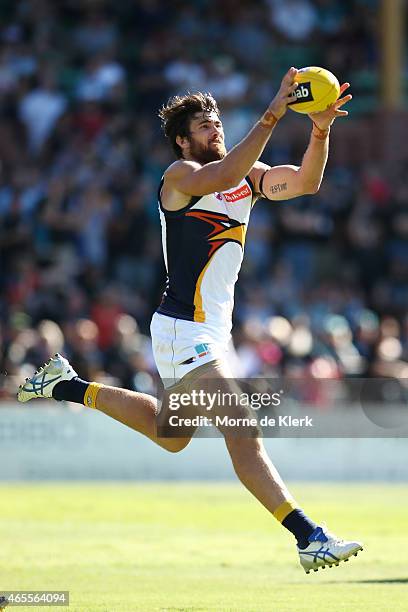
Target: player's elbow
x,y
311,188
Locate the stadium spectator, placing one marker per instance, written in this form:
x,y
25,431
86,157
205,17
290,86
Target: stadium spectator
x,y
296,20
40,109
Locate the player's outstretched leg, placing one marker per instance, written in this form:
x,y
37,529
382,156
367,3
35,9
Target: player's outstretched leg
x,y
57,380
316,546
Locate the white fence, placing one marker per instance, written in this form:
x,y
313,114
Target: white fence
x,y
46,441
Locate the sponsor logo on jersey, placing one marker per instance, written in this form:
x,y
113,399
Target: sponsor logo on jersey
x,y
302,93
238,194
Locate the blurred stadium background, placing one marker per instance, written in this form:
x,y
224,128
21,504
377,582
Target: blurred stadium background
x,y
324,283
323,291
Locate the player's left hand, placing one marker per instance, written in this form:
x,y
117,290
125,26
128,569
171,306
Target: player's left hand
x,y
325,118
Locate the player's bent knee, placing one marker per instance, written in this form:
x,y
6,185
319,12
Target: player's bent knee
x,y
173,445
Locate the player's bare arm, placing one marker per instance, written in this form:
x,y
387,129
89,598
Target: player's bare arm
x,y
190,177
286,182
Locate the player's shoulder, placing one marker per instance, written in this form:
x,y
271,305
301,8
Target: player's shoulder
x,y
257,170
180,168
256,173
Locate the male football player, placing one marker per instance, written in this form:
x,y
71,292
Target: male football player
x,y
205,201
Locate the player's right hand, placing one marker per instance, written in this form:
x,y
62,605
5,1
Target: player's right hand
x,y
279,104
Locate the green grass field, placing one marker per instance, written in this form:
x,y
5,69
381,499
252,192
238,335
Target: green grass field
x,y
126,547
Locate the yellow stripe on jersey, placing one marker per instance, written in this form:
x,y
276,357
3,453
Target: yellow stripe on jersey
x,y
199,314
230,234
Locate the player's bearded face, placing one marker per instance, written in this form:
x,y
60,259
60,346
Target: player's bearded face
x,y
206,139
207,152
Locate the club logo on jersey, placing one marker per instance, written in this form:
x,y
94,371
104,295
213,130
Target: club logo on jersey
x,y
302,93
224,229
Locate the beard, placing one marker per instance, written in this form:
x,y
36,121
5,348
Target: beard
x,y
205,154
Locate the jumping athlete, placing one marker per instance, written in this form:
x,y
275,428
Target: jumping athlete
x,y
205,200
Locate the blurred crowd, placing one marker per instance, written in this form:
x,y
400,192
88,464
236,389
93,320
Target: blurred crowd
x,y
323,290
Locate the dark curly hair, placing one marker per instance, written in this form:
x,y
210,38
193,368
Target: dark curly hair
x,y
178,112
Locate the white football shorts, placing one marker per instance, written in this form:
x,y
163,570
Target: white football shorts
x,y
180,346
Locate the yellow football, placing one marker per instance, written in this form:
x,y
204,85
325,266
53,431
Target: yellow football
x,y
318,88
